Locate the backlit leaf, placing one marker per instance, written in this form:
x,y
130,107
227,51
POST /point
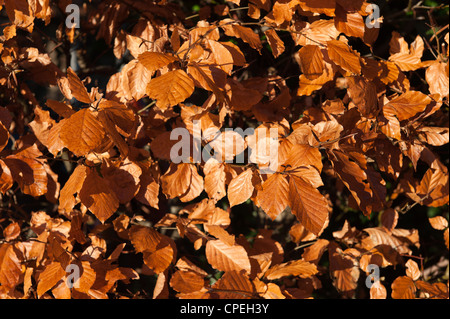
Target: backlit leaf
x,y
170,89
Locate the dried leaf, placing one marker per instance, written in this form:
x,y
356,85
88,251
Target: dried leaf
x,y
227,258
308,205
311,61
82,132
403,288
341,54
300,268
240,188
273,197
170,89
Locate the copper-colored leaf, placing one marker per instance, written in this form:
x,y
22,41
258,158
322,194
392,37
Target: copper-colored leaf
x,y
403,288
176,180
4,136
344,56
226,258
186,281
300,268
276,44
155,60
406,105
389,219
10,267
170,89
234,285
438,222
77,88
436,136
314,252
307,86
82,132
49,277
244,33
378,291
20,13
240,188
71,187
437,290
98,196
158,250
364,94
436,76
311,61
273,197
11,232
88,276
308,204
349,23
412,270
215,177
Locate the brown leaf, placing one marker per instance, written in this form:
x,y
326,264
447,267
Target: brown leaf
x,y
186,281
406,105
319,6
344,269
215,177
308,204
307,86
438,222
354,178
436,76
436,136
9,32
28,172
49,277
403,288
276,44
196,186
20,13
240,188
158,250
87,279
6,179
314,252
71,187
407,59
170,89
12,231
227,258
350,23
82,132
273,197
98,196
412,270
341,54
364,94
389,219
154,61
378,291
300,268
438,290
378,236
10,266
176,181
311,61
318,32
233,285
244,33
302,155
221,234
77,88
